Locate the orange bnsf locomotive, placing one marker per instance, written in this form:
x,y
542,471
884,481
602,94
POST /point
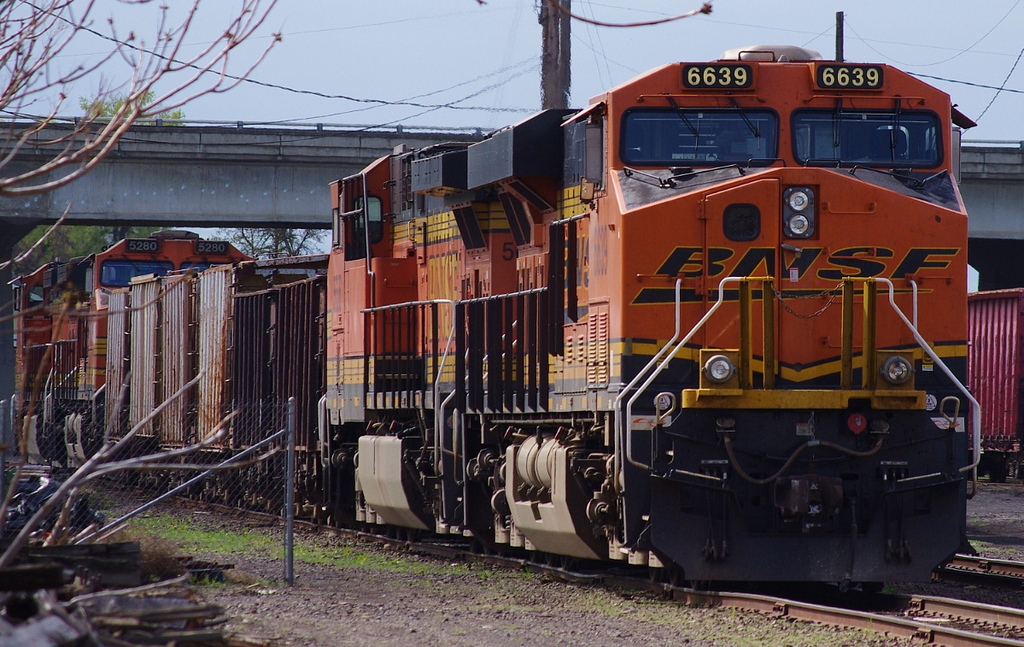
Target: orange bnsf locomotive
x,y
714,323
61,333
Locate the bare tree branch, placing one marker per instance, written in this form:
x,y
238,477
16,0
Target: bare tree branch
x,y
35,38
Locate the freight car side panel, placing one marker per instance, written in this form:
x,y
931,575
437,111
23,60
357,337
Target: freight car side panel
x,y
176,352
215,347
298,353
994,364
254,334
117,357
144,355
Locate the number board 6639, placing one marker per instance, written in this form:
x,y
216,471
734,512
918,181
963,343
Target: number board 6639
x,y
849,77
713,76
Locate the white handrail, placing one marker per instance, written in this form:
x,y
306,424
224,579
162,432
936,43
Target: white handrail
x,y
976,406
439,409
619,423
627,428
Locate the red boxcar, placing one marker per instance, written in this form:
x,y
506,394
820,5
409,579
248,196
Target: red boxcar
x,y
995,325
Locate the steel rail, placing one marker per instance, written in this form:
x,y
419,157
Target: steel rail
x,y
985,571
966,611
987,565
889,625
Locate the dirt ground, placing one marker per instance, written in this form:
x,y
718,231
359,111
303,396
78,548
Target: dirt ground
x,y
385,597
995,521
330,606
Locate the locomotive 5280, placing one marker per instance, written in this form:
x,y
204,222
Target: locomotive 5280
x,y
714,322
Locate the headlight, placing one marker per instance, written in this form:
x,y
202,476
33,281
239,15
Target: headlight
x,y
799,224
897,370
719,369
798,212
798,200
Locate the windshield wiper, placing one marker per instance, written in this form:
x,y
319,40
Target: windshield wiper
x,y
894,135
837,124
682,115
750,124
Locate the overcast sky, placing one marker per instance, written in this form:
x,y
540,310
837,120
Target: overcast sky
x,y
484,58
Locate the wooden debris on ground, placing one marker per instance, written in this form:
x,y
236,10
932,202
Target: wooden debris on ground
x,y
167,613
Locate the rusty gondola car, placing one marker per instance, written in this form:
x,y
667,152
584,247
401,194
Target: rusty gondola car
x,y
717,315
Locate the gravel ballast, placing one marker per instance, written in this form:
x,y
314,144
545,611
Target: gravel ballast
x,y
352,592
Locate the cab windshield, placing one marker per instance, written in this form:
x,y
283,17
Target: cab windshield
x,y
119,273
889,139
697,137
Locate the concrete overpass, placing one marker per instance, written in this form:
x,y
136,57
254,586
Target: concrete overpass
x,y
215,176
992,184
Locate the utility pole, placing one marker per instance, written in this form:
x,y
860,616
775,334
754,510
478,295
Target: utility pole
x,y
555,75
839,36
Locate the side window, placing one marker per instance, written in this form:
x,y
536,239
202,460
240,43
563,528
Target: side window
x,y
375,218
355,232
338,229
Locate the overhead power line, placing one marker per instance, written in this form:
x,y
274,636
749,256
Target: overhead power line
x,y
451,105
705,9
968,83
1003,86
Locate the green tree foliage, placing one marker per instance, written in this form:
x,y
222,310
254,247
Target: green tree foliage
x,y
68,242
265,242
108,107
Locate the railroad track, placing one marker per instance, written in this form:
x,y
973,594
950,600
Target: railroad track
x,y
989,572
938,621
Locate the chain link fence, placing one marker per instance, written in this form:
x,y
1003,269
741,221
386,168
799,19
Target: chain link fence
x,y
242,467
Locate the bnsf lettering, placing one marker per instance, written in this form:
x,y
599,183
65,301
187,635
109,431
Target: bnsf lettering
x,y
857,262
921,258
755,261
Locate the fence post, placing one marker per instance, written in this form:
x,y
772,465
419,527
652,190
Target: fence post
x,y
289,497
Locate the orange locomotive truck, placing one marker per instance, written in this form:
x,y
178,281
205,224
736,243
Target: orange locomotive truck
x,y
713,323
61,332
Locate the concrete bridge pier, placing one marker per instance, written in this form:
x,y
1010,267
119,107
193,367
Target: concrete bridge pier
x,y
992,184
999,261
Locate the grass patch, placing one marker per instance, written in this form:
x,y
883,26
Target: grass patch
x,y
191,539
349,557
